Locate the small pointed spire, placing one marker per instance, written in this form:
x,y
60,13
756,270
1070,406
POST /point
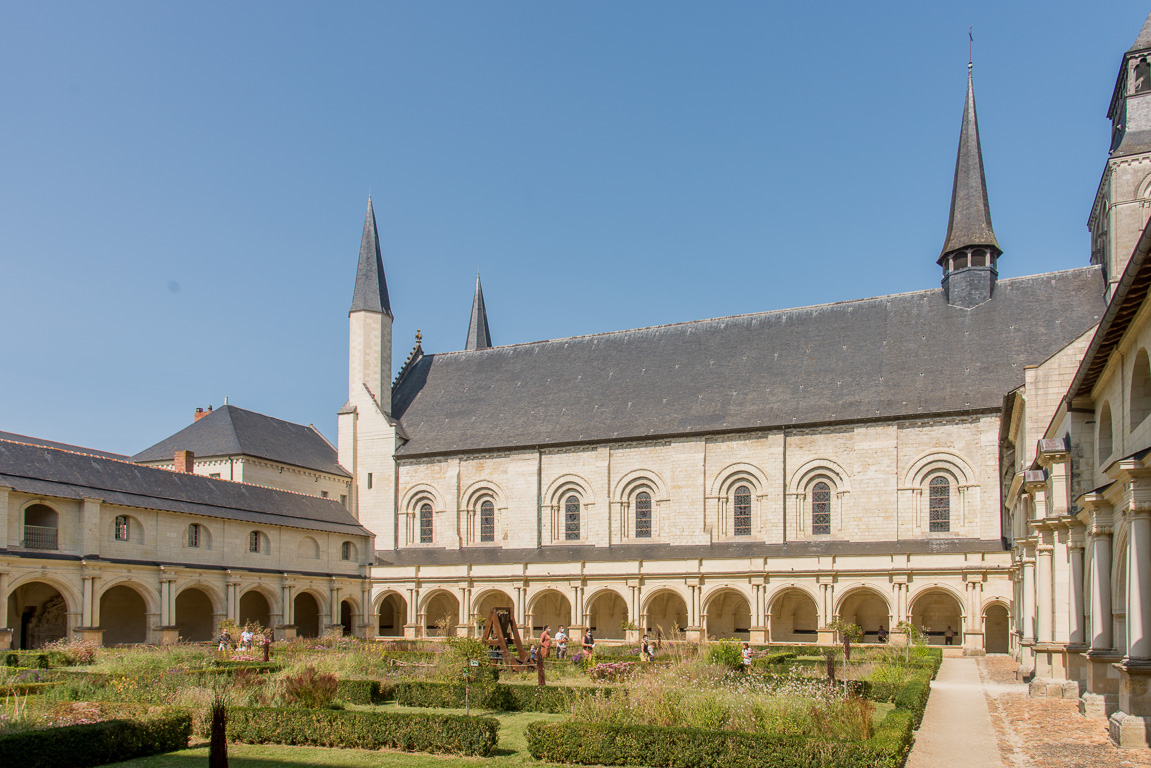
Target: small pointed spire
x,y
970,221
371,292
1144,39
479,335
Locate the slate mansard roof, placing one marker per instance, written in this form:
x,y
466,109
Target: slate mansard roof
x,y
232,431
892,356
48,471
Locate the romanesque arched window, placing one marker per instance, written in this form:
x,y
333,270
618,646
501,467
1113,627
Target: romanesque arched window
x,y
1105,432
741,521
821,509
939,505
426,523
571,518
123,528
487,521
1140,389
643,515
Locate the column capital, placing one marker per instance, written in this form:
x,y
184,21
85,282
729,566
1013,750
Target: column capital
x,y
1045,550
1100,531
1139,509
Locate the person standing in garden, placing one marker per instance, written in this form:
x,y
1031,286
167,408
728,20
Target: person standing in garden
x,y
561,643
588,643
745,657
949,636
545,641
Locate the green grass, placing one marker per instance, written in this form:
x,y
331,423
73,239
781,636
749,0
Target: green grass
x,y
510,753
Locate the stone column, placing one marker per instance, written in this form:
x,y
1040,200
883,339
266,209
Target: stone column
x,y
464,622
168,632
1028,615
86,590
369,624
1101,619
1077,632
5,630
1044,625
1060,586
1139,586
413,616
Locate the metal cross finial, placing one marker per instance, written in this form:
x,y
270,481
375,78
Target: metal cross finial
x,y
970,44
419,336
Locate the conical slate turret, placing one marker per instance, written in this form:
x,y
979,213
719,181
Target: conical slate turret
x,y
1144,39
970,222
371,292
479,335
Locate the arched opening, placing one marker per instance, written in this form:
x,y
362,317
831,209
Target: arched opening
x,y
728,616
38,613
393,616
194,619
123,616
550,609
666,615
307,611
996,629
793,618
1105,432
494,599
1140,389
41,527
308,549
934,612
869,610
347,614
607,615
441,615
254,609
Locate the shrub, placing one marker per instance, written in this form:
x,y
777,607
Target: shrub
x,y
613,672
310,689
725,653
364,691
501,698
455,734
96,743
586,744
69,652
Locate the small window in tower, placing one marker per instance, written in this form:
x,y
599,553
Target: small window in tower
x,y
121,527
369,481
1142,79
961,261
323,494
979,258
344,500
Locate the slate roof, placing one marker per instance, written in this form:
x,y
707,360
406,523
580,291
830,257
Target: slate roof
x,y
52,472
232,431
1144,39
64,446
970,220
479,335
371,292
728,550
892,356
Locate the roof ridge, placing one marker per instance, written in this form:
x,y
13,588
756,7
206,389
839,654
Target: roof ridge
x,y
723,318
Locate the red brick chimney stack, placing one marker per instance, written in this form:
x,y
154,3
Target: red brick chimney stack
x,y
185,461
201,413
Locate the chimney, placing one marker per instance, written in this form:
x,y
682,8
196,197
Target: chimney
x,y
185,461
201,413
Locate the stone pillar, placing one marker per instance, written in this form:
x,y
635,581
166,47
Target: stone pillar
x,y
233,601
287,628
168,632
369,624
1077,634
5,630
1061,586
86,589
412,625
1129,725
1101,619
464,621
1028,614
89,611
1044,625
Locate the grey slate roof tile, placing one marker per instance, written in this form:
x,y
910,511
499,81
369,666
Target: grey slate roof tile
x,y
54,472
231,431
970,220
880,358
63,446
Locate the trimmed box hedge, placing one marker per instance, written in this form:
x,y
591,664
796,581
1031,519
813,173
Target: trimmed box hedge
x,y
23,689
500,697
111,741
411,732
364,691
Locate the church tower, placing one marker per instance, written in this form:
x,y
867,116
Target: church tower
x,y
1123,202
970,252
367,431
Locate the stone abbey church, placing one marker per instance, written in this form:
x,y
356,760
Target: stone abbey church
x,y
973,458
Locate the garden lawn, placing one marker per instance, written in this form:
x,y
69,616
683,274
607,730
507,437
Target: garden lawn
x,y
511,751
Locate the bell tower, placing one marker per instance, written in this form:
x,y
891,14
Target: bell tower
x,y
1123,202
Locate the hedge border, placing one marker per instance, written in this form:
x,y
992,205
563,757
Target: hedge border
x,y
110,741
500,697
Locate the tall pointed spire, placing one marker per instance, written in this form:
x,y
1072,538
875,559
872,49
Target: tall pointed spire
x,y
371,292
1144,39
970,222
479,335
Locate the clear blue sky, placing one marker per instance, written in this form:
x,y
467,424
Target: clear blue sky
x,y
182,186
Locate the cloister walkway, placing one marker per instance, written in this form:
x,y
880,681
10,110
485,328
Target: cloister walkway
x,y
957,728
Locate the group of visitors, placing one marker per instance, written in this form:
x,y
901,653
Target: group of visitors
x,y
247,638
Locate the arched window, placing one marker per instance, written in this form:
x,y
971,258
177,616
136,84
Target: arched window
x,y
40,527
346,550
254,541
193,534
643,515
939,505
1140,389
487,521
426,524
571,519
1105,432
122,528
742,518
821,509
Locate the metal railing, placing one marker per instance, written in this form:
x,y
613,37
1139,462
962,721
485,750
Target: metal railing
x,y
40,537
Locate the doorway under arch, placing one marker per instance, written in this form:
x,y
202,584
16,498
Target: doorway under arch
x,y
123,616
866,608
933,612
996,629
347,617
441,615
307,611
194,620
550,609
254,609
392,616
794,618
728,616
39,614
606,616
666,615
